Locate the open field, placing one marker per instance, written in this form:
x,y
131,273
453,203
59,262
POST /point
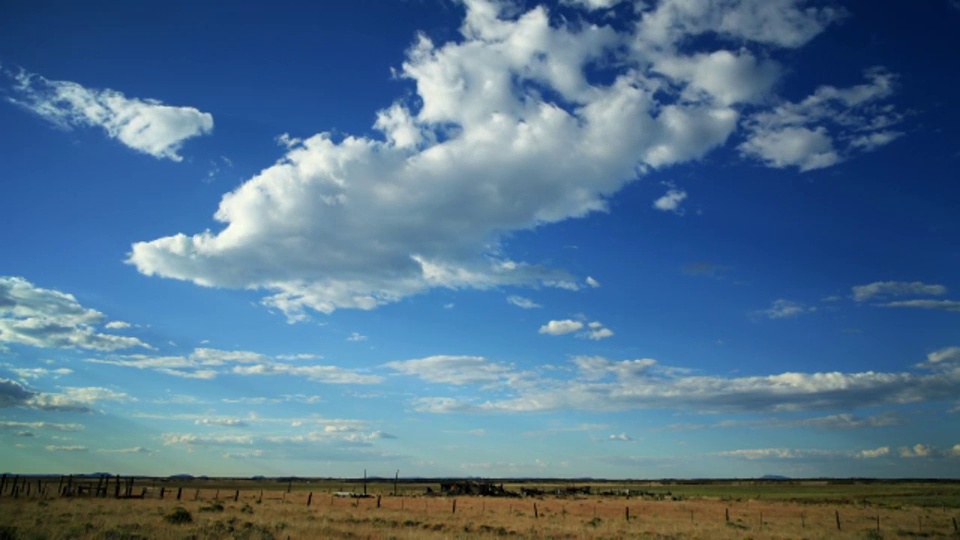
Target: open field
x,y
249,509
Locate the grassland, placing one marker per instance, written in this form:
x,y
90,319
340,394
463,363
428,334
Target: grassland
x,y
265,509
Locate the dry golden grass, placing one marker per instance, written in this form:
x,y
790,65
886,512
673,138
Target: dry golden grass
x,y
286,515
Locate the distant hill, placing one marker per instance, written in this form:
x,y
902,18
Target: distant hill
x,y
774,477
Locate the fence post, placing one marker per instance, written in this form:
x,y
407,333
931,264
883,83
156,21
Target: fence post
x,y
3,484
236,496
838,519
627,513
727,515
454,506
179,492
536,515
378,501
310,499
162,489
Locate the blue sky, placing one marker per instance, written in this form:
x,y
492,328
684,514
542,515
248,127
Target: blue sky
x,y
594,238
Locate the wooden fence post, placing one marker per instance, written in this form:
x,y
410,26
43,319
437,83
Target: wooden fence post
x,y
627,513
838,519
378,501
454,506
3,484
727,515
179,492
310,499
236,496
536,515
161,492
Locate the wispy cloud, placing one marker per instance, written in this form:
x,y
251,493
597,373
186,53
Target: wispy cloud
x,y
522,302
561,327
943,305
796,134
145,125
207,363
603,385
356,336
784,309
886,289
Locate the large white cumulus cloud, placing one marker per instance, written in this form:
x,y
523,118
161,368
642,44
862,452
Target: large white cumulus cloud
x,y
510,129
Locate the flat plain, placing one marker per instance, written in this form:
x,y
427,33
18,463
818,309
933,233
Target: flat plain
x,y
321,508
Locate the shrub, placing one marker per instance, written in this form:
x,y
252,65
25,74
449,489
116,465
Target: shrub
x,y
214,507
179,515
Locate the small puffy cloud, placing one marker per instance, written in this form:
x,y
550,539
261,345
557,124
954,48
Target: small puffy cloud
x,y
592,282
356,336
145,125
558,328
622,437
522,302
46,318
596,331
795,134
875,453
886,289
670,201
117,325
916,451
784,309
